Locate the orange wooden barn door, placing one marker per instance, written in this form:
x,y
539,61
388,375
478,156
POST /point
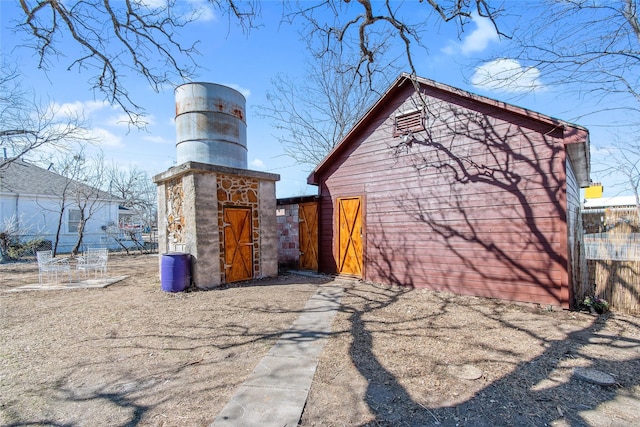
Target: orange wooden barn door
x,y
238,244
308,231
350,233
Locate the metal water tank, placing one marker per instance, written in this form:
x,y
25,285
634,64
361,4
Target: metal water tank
x,y
210,125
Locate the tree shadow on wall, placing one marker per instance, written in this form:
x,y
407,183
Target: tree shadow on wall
x,y
489,199
488,207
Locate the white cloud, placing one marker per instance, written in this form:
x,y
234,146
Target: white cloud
x,y
152,4
79,108
603,151
198,10
97,113
158,139
476,41
450,49
245,92
106,138
257,164
202,11
479,38
123,121
507,75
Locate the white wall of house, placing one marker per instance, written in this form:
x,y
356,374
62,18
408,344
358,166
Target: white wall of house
x,y
38,215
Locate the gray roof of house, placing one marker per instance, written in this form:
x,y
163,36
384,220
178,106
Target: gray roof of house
x,y
21,177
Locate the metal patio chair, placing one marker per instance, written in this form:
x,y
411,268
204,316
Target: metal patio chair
x,y
51,266
95,259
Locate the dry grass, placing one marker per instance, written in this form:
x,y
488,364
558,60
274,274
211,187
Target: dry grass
x,y
396,354
131,354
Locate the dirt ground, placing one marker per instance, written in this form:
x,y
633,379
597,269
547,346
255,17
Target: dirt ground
x,y
131,354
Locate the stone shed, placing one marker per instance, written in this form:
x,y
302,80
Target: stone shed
x,y
222,216
211,206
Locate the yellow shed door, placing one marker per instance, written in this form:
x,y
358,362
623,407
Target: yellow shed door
x,y
308,230
238,244
350,236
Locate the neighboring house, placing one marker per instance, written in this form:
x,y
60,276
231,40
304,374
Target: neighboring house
x,y
439,188
605,214
612,227
31,200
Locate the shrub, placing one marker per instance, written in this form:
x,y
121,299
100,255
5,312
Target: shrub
x,y
595,304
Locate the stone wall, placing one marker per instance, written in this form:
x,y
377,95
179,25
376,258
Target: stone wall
x,y
191,198
175,223
268,233
289,237
288,229
239,191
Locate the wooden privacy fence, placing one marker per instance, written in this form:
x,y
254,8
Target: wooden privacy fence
x,y
617,282
613,260
612,246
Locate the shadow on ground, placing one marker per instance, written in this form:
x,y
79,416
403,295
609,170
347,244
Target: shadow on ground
x,y
405,345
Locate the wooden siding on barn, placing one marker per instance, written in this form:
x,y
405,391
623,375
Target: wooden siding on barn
x,y
474,204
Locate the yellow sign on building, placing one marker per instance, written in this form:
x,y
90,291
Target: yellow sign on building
x,y
594,191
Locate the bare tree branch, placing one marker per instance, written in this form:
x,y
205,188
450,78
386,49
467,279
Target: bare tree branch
x,y
137,191
371,27
26,125
313,114
115,37
622,161
592,48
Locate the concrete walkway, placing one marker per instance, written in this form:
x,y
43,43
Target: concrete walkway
x,y
275,392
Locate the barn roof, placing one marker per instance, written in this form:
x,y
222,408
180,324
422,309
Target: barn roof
x,y
611,202
23,178
576,138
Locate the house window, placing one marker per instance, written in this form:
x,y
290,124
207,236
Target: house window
x,y
74,220
409,123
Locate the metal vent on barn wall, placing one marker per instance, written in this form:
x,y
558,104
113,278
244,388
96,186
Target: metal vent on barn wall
x,y
407,123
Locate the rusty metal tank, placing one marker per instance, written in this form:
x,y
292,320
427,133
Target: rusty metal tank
x,y
210,125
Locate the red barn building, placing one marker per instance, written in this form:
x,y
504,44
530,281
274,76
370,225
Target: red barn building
x,y
439,188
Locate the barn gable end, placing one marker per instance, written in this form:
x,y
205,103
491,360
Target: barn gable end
x,y
476,203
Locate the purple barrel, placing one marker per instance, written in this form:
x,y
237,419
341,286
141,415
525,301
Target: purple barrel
x,y
175,271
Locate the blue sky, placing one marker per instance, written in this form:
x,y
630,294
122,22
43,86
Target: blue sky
x,y
248,63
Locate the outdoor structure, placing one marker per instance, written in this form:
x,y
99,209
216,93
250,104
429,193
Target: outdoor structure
x,y
297,226
603,214
612,249
33,201
440,188
210,205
